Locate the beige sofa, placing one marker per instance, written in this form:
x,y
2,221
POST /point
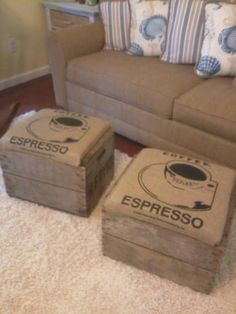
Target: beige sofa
x,y
157,104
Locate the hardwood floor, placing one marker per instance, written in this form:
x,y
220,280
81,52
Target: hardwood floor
x,y
38,94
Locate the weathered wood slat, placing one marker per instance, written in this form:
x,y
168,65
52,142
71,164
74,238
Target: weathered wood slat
x,y
42,193
154,247
100,182
45,181
95,173
40,168
169,242
162,240
162,265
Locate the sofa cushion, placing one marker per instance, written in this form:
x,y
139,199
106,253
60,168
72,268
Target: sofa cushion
x,y
145,82
210,106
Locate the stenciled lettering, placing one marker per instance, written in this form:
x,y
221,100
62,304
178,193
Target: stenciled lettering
x,y
185,158
162,211
38,145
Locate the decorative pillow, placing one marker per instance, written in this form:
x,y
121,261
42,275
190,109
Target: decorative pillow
x,y
218,54
185,31
116,19
148,27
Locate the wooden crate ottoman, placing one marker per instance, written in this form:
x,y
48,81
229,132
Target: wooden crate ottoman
x,y
59,159
170,215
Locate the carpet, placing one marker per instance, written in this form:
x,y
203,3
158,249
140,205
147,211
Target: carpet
x,y
51,263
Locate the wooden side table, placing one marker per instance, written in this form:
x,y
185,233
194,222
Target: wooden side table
x,y
64,14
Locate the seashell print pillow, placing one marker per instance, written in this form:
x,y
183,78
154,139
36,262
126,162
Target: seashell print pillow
x,y
148,27
218,53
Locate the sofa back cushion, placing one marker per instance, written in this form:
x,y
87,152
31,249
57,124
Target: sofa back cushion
x,y
115,16
148,27
185,31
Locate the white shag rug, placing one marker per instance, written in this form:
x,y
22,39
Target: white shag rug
x,y
51,263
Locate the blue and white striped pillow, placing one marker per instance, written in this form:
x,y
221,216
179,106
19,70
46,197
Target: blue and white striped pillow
x,y
116,20
185,31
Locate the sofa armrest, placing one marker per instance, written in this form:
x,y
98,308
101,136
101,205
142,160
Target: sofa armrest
x,y
67,44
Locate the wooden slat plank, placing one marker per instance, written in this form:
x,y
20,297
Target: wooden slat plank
x,y
42,193
162,240
40,168
162,265
96,171
43,180
168,242
101,180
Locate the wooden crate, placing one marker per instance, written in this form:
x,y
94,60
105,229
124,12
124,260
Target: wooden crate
x,y
66,173
63,19
147,222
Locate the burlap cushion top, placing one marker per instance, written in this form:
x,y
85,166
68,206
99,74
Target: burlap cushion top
x,y
63,136
175,192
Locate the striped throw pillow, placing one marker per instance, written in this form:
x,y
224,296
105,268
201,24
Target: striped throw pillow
x,y
185,31
116,19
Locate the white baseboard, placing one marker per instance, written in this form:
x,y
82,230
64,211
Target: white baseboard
x,y
23,77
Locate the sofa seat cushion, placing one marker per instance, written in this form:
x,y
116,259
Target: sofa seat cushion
x,y
210,106
144,82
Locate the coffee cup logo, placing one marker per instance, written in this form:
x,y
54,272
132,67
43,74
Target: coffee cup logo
x,y
187,176
65,123
179,183
59,129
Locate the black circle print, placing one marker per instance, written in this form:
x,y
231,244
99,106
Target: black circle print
x,y
68,121
181,184
188,171
58,129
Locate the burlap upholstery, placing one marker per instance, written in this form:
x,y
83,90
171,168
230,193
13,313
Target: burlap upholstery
x,y
179,193
210,106
56,134
147,83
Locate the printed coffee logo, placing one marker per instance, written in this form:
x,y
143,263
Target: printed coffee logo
x,y
51,134
166,214
59,129
179,190
183,184
44,147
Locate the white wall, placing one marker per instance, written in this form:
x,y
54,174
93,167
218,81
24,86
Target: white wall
x,y
25,21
